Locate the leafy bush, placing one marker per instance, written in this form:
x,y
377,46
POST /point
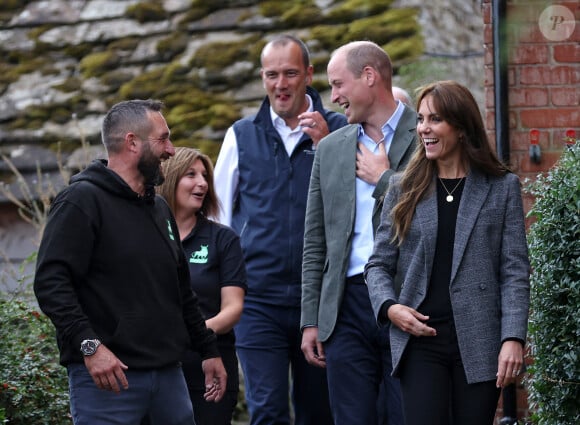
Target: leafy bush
x,y
554,242
33,386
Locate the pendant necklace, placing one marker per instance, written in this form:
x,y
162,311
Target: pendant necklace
x,y
449,197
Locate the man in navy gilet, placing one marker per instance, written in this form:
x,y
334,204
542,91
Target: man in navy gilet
x,y
262,175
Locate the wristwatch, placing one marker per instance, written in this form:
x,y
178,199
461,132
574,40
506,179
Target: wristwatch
x,y
89,346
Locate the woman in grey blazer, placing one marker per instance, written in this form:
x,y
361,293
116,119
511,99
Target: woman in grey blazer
x,y
452,231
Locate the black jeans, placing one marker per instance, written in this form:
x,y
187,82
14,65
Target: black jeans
x,y
434,385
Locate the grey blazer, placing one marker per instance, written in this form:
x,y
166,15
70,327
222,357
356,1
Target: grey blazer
x,y
489,285
330,211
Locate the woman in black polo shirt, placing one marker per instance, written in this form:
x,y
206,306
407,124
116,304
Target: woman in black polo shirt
x,y
217,270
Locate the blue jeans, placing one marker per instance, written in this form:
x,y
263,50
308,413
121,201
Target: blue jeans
x,y
161,393
268,342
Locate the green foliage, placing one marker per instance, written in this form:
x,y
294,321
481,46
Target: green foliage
x,y
554,242
33,386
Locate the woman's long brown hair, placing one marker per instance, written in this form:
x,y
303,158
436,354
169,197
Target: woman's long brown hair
x,y
456,105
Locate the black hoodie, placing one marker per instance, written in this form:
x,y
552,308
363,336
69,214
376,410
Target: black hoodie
x,y
110,266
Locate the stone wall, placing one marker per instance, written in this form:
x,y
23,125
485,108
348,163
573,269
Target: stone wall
x,y
65,62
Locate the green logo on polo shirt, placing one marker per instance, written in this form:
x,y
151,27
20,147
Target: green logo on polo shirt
x,y
199,256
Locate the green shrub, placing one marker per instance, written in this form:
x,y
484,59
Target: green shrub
x,y
554,241
33,386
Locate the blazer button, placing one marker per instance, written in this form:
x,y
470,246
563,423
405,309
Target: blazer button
x,y
483,286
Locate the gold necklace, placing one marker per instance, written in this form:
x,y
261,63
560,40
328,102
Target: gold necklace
x,y
449,197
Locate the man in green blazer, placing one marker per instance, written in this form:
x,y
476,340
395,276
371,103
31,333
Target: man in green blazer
x,y
350,175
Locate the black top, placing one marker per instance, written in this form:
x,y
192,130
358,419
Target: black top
x,y
437,303
215,260
110,266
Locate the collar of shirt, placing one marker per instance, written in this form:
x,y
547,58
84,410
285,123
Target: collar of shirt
x,y
290,136
388,130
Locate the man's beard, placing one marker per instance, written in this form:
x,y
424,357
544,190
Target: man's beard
x,y
150,167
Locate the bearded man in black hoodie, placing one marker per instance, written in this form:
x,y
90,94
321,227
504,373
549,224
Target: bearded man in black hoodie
x,y
112,278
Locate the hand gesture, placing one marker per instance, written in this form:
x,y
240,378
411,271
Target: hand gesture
x,y
107,370
215,379
410,320
314,124
509,364
312,348
369,166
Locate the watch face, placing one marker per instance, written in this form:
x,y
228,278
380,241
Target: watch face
x,y
89,346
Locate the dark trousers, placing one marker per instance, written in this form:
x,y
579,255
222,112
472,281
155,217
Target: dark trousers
x,y
358,363
435,388
268,342
210,413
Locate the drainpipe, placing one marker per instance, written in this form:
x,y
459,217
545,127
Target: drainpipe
x,y
500,79
502,144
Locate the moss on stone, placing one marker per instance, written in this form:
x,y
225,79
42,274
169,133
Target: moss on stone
x,y
189,99
35,33
94,64
143,86
70,85
115,79
272,8
124,44
60,115
10,73
78,51
383,28
303,14
147,11
319,62
219,55
320,85
194,13
404,49
199,9
171,46
176,72
7,75
351,10
222,115
13,5
330,36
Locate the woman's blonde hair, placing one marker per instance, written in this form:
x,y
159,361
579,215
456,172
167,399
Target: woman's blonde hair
x,y
175,168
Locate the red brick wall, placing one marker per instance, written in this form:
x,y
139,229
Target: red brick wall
x,y
543,93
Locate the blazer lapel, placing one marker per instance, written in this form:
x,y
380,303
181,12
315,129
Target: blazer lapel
x,y
472,199
403,137
346,159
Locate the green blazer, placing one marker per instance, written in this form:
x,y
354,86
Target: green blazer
x,y
330,213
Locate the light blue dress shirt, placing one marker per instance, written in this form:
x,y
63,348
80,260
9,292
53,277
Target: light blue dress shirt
x,y
363,239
